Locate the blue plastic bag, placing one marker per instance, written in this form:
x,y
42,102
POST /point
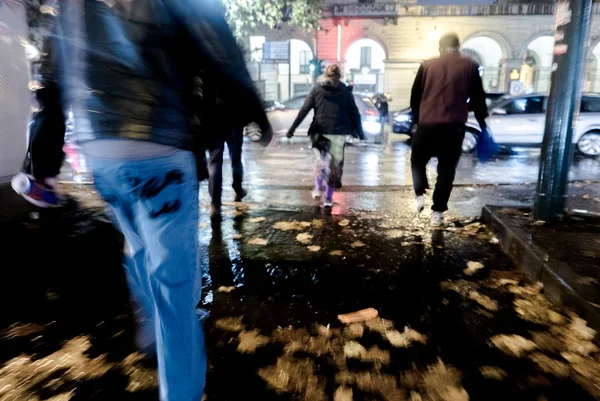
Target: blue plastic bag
x,y
487,148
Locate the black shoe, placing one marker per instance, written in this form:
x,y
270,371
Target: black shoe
x,y
239,195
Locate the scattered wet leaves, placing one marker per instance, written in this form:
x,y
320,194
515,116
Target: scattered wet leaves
x,y
313,248
405,339
22,330
394,234
257,219
226,289
385,385
296,376
233,324
343,394
549,365
513,344
357,244
493,373
344,223
250,341
304,238
21,376
258,241
379,325
335,253
291,225
353,349
473,267
354,330
439,382
484,301
317,223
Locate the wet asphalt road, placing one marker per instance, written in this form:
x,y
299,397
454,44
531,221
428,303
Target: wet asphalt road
x,y
456,321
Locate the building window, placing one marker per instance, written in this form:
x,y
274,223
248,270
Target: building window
x,y
304,61
365,57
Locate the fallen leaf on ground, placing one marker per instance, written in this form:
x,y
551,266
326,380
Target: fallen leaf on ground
x,y
405,339
352,349
513,344
291,225
314,248
550,365
237,236
225,289
344,223
357,244
250,341
230,324
358,316
258,241
493,373
257,219
304,238
473,267
295,376
343,394
335,253
354,330
317,223
483,300
393,234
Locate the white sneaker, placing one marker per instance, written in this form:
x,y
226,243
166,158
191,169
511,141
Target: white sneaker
x,y
328,203
437,219
317,194
420,204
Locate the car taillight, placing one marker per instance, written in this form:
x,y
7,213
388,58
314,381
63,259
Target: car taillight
x,y
371,112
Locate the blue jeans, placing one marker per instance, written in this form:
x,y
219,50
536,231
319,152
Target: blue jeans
x,y
155,205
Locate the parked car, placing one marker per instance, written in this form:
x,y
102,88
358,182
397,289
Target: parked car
x,y
402,122
521,120
282,118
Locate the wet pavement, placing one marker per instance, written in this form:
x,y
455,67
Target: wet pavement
x,y
455,320
378,178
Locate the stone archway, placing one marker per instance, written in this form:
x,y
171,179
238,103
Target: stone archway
x,y
536,71
488,53
364,64
592,82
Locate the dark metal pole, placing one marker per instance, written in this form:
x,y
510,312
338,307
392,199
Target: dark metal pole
x,y
572,23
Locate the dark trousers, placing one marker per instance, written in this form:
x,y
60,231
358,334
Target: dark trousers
x,y
234,140
445,143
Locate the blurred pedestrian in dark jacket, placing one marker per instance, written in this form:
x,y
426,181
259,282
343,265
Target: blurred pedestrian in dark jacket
x,y
127,69
440,95
224,130
336,116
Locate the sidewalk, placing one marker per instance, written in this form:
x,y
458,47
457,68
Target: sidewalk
x,y
563,255
456,320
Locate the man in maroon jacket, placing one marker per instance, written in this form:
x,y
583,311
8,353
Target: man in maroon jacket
x,y
444,90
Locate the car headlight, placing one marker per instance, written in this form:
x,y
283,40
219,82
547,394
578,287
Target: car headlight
x,y
401,118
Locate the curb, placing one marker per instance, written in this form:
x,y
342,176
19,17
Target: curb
x,y
538,266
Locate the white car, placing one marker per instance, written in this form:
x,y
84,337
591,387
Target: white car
x,y
520,121
282,118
